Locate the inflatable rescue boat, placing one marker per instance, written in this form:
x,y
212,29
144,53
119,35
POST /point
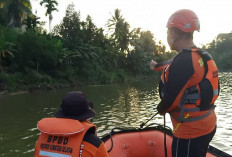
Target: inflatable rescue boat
x,y
152,141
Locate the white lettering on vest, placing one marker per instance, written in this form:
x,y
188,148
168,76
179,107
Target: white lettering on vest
x,y
81,149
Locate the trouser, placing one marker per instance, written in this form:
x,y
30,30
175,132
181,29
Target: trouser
x,y
195,147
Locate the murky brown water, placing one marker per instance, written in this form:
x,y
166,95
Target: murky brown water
x,y
121,105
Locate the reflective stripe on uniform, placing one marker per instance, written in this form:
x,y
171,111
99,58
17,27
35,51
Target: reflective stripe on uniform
x,y
192,96
51,154
197,118
216,92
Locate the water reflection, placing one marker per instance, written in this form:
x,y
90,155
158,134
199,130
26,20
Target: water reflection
x,y
223,135
135,105
124,105
131,107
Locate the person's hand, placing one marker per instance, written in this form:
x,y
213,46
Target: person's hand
x,y
152,64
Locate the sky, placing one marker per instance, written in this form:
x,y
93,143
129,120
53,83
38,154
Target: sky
x,y
214,15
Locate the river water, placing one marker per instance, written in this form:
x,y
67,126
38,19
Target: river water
x,y
118,105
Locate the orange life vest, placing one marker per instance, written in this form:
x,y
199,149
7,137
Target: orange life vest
x,y
61,137
203,94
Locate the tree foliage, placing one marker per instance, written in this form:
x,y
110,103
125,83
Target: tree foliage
x,y
76,50
51,7
32,22
221,50
70,28
6,48
120,29
15,11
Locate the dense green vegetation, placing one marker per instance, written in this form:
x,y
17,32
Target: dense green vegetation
x,y
221,50
77,51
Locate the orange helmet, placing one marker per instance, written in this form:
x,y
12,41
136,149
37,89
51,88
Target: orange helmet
x,y
186,20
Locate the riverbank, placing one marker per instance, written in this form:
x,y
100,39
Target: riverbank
x,y
13,84
36,87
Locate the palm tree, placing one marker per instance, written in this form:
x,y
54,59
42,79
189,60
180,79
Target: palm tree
x,y
120,30
16,11
51,6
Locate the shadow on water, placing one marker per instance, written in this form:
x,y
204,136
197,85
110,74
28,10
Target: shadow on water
x,y
117,105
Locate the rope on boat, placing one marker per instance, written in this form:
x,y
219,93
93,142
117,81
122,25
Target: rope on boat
x,y
142,125
111,139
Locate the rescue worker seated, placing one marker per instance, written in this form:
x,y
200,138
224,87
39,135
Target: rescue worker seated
x,y
69,133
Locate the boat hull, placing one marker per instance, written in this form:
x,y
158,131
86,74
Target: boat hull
x,y
148,142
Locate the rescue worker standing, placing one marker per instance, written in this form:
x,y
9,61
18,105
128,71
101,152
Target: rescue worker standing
x,y
188,88
69,133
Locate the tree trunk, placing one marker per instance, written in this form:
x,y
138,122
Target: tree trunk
x,y
50,22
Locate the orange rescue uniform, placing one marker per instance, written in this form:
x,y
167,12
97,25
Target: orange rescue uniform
x,y
187,70
62,137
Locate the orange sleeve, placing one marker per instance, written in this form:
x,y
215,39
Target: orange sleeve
x,y
161,66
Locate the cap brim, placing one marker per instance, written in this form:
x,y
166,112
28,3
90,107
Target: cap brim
x,y
90,113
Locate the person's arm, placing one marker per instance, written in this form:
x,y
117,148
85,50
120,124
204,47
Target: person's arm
x,y
159,66
180,71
